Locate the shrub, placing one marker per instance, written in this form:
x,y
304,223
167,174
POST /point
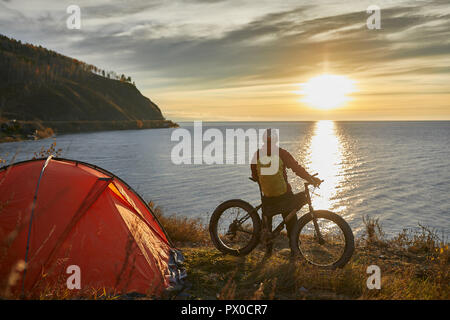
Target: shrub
x,y
45,133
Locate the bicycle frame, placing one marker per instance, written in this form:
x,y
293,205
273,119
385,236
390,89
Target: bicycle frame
x,y
280,227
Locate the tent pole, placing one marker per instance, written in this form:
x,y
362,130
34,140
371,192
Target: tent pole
x,y
33,206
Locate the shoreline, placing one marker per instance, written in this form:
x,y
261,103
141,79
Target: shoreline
x,y
37,130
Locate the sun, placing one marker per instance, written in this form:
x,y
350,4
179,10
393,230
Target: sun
x,y
327,91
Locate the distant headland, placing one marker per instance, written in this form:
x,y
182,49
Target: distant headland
x,y
43,92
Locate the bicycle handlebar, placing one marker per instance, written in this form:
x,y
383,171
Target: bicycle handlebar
x,y
309,183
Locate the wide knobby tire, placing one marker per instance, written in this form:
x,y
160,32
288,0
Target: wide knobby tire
x,y
256,222
340,222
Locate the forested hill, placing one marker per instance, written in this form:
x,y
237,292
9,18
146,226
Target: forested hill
x,y
37,84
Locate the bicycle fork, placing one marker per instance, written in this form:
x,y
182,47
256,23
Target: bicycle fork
x,y
314,218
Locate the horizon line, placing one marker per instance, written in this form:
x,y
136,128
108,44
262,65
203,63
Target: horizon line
x,y
388,120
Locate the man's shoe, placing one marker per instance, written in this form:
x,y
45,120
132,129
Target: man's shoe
x,y
294,256
267,254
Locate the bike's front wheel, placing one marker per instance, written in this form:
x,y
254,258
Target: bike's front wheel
x,y
335,245
235,227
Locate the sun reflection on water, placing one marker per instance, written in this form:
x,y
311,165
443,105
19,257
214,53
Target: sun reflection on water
x,y
325,157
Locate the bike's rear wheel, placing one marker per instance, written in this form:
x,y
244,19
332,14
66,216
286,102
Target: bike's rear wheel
x,y
235,227
338,241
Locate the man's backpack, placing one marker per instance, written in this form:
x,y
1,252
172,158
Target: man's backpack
x,y
271,185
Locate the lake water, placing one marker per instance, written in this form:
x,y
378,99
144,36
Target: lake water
x,y
398,172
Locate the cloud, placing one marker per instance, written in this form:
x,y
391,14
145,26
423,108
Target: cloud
x,y
217,44
276,46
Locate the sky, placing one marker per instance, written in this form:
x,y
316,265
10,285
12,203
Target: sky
x,y
241,60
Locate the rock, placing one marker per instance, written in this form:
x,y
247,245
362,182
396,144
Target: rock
x,y
422,272
284,252
132,295
183,296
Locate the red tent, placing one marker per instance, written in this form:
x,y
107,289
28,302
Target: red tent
x,y
56,213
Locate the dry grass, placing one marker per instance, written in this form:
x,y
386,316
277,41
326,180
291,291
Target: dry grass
x,y
182,230
45,133
50,151
414,265
373,231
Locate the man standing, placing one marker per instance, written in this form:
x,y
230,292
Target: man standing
x,y
277,195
